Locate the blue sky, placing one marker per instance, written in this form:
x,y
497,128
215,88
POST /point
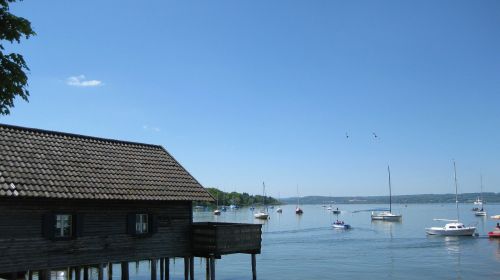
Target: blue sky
x,y
242,92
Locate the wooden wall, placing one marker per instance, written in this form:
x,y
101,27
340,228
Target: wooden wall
x,y
22,246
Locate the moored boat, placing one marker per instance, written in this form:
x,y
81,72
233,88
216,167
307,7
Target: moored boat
x,y
340,225
451,229
387,215
336,211
263,214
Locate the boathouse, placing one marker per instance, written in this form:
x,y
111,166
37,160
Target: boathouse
x,y
72,202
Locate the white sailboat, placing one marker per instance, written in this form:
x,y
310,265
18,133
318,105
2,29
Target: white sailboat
x,y
454,227
217,211
387,215
298,210
279,210
263,214
481,212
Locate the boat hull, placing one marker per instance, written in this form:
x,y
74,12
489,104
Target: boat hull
x,y
448,232
494,234
341,226
261,216
386,217
336,211
480,213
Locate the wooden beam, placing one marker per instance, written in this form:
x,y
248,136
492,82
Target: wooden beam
x,y
110,271
44,274
30,275
254,267
153,269
167,269
207,268
162,269
191,268
212,268
186,268
124,266
77,273
85,273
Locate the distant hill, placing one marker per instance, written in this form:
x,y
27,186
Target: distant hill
x,y
489,197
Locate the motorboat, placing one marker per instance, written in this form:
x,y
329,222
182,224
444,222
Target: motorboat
x,y
454,228
329,208
495,217
478,201
336,211
340,225
495,233
279,210
298,211
217,212
387,215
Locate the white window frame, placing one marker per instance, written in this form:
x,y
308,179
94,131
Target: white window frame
x,y
141,223
63,226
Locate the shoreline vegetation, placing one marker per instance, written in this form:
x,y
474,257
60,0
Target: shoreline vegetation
x,y
239,199
488,198
245,199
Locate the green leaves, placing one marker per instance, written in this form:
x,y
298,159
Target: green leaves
x,y
13,67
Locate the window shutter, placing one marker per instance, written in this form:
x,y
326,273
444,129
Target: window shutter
x,y
131,224
77,220
48,225
153,223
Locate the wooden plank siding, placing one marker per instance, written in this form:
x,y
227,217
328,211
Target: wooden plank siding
x,y
226,238
104,238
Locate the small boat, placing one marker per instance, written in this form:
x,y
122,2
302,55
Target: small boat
x,y
298,210
478,201
494,234
279,210
336,211
454,227
451,229
329,208
217,212
340,225
481,212
495,217
262,214
387,215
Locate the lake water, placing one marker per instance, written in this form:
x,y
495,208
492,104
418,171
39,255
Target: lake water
x,y
306,247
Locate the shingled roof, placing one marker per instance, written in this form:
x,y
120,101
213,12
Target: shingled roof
x,y
48,164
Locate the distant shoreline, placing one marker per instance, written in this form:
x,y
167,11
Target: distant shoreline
x,y
465,198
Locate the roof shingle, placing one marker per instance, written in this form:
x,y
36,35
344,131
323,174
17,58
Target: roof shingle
x,y
40,163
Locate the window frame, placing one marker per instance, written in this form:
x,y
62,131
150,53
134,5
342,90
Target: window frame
x,y
142,228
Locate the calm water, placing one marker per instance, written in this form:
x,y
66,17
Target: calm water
x,y
306,247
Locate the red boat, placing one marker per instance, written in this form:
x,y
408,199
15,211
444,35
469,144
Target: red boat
x,y
494,234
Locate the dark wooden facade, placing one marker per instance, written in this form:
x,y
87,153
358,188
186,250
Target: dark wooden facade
x,y
104,237
218,239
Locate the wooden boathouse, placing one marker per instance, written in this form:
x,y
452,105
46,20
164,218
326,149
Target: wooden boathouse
x,y
76,202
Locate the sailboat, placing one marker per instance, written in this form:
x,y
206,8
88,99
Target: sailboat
x,y
262,214
279,210
387,215
298,210
481,212
454,227
217,211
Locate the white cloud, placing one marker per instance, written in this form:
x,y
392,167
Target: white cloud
x,y
151,128
80,81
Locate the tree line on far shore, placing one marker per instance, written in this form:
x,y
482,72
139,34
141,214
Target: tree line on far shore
x,y
239,199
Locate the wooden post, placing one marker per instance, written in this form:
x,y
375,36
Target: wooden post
x,y
44,274
85,273
124,270
13,276
212,268
30,275
167,269
153,269
162,269
77,273
186,268
110,271
191,268
207,268
254,267
100,272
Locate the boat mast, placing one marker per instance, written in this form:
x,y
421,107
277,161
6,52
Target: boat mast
x,y
482,200
264,195
297,196
390,191
456,189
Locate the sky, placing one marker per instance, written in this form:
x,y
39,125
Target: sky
x,y
285,92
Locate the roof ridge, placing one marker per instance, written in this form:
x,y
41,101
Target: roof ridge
x,y
76,135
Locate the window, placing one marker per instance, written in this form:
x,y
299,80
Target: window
x,y
63,226
141,224
452,227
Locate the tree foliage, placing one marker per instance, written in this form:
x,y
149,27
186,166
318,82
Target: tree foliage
x,y
240,199
13,67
